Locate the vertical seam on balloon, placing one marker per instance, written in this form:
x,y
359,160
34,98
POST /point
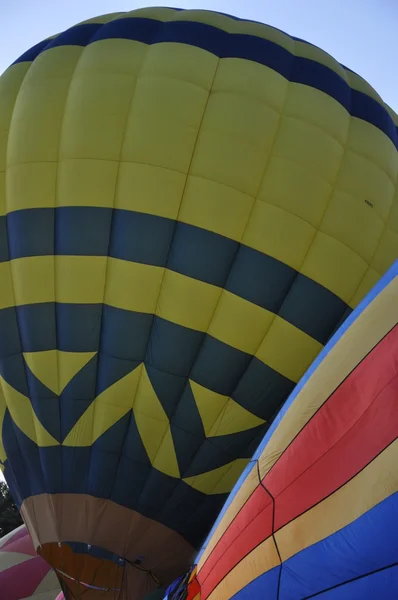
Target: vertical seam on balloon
x,y
16,436
242,558
273,530
161,284
111,225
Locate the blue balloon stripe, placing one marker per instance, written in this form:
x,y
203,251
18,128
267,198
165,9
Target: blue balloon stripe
x,y
230,45
191,251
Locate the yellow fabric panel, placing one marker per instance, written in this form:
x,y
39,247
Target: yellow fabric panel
x,y
366,181
354,223
56,368
218,481
132,286
240,323
372,485
187,302
154,428
23,181
215,207
189,64
288,350
310,147
278,233
99,101
363,334
234,418
209,404
393,216
24,417
308,104
241,496
366,140
79,279
386,253
296,189
368,282
263,558
39,108
106,410
163,134
33,279
333,265
149,189
86,182
221,415
243,118
252,80
10,82
230,159
6,286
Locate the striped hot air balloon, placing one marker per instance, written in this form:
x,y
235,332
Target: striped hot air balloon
x,y
316,515
23,574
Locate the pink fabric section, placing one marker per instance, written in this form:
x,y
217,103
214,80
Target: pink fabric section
x,y
20,542
22,580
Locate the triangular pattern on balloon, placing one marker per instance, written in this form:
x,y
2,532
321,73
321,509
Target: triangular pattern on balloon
x,y
222,415
56,368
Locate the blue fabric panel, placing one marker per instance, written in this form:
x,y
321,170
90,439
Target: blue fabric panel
x,y
261,390
125,334
201,254
219,367
364,546
264,587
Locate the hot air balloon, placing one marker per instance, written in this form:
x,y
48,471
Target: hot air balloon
x,y
23,574
316,514
191,205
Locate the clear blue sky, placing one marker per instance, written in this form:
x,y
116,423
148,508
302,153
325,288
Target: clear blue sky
x,y
362,34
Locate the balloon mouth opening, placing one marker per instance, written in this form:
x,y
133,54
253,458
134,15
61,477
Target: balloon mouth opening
x,y
84,569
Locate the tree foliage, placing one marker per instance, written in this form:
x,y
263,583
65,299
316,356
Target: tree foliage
x,y
10,518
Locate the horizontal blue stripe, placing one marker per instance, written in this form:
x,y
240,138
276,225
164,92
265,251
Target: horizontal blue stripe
x,y
185,249
232,45
352,563
387,278
124,338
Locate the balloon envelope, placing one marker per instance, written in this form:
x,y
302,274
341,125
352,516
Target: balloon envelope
x,y
23,574
190,205
317,514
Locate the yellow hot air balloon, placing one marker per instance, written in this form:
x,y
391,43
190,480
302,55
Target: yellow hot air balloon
x,y
190,205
